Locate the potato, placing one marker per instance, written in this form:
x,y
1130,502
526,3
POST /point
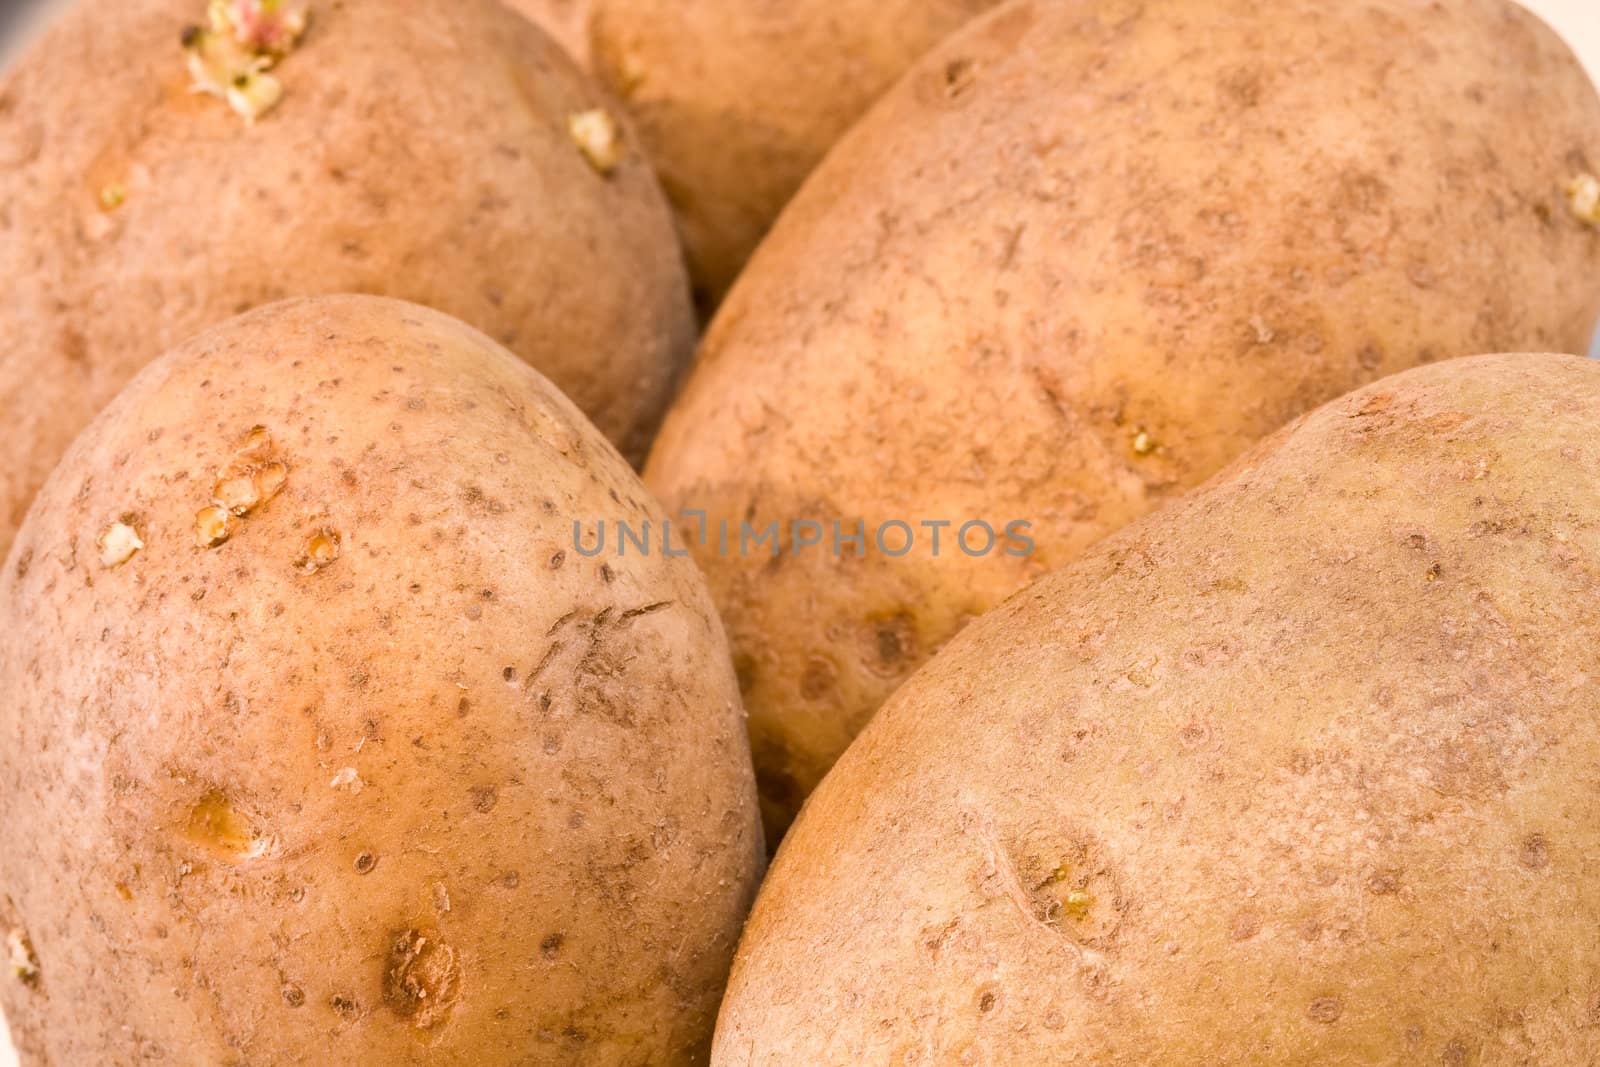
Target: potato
x,y
1082,256
565,20
419,150
737,101
363,759
1300,770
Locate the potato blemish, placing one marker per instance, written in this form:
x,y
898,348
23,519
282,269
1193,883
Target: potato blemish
x,y
1583,196
321,548
253,475
1078,896
24,963
117,544
216,825
213,525
348,778
422,980
597,137
242,40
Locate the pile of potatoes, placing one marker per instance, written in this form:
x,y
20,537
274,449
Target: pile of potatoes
x,y
1126,545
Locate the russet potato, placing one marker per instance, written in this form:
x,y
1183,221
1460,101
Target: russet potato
x,y
320,741
737,100
418,150
1081,256
1301,769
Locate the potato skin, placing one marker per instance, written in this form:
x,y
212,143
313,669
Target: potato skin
x,y
1210,216
736,101
366,177
459,796
565,20
1301,769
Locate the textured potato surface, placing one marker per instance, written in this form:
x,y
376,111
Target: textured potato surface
x,y
737,100
1079,258
565,20
419,150
363,763
1300,770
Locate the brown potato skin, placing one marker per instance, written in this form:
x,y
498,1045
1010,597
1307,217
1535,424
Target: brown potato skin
x,y
737,100
565,20
554,777
1073,223
1318,742
369,176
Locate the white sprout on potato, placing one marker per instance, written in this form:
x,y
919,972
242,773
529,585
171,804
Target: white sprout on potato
x,y
241,41
1583,195
596,134
117,543
24,964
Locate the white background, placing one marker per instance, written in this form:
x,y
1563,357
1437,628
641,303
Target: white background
x,y
1578,20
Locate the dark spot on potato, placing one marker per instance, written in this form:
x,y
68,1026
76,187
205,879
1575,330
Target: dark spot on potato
x,y
293,995
889,645
557,560
1194,733
511,879
484,799
1242,87
1535,852
509,674
959,75
948,85
818,679
74,346
550,947
1325,1010
365,861
1384,883
422,978
988,1000
344,1005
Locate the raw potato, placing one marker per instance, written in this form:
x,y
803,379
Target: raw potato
x,y
736,101
1301,770
387,772
134,211
1081,257
565,20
